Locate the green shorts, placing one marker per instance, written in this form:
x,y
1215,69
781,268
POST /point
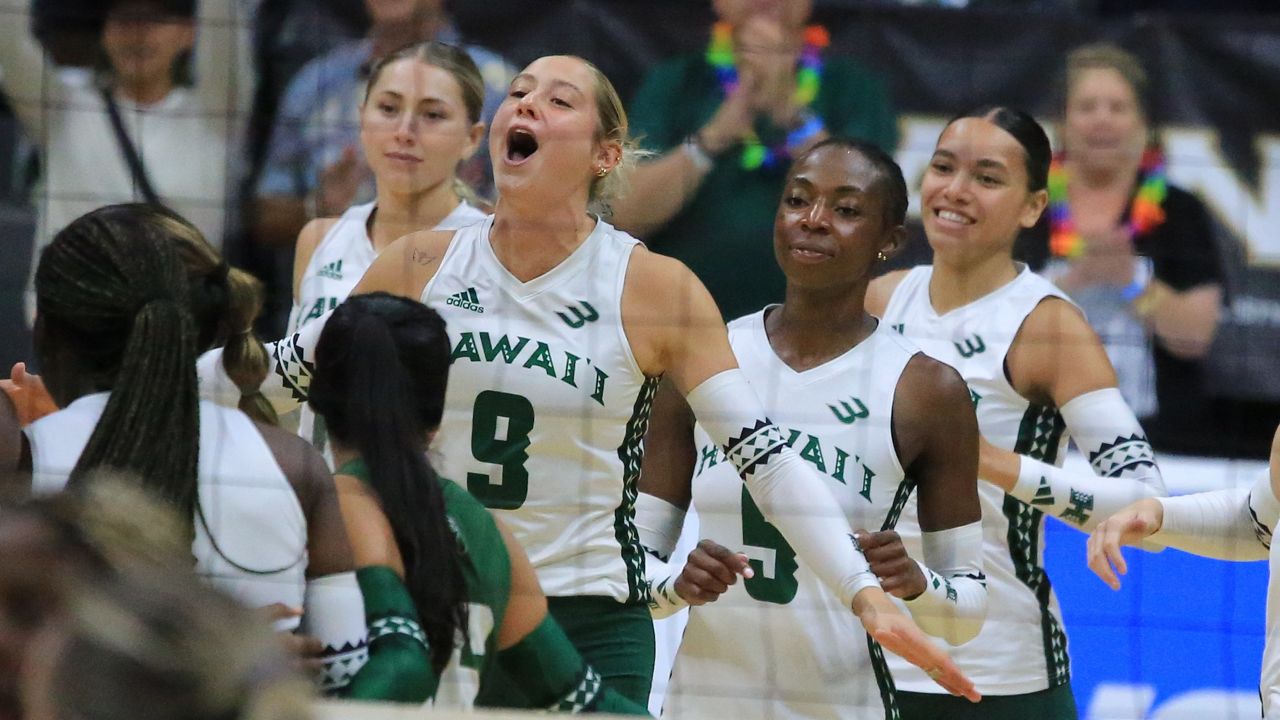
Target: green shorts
x,y
614,638
1053,704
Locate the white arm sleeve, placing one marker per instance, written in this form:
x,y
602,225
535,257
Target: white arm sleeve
x,y
788,492
292,360
1232,524
954,603
659,523
333,613
1124,466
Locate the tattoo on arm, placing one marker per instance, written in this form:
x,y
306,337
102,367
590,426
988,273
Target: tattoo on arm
x,y
422,258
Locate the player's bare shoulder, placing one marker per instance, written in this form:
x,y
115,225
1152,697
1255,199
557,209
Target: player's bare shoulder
x,y
408,264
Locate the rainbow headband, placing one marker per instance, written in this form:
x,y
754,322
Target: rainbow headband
x,y
808,82
1145,212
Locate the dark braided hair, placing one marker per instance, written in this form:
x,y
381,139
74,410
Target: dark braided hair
x,y
112,303
382,363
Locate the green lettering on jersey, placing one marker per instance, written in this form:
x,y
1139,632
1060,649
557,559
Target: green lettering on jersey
x,y
709,456
598,395
972,346
849,414
570,369
509,353
320,307
466,348
791,440
867,474
542,358
838,473
813,453
975,397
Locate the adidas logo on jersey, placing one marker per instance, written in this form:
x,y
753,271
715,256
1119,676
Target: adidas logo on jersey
x,y
467,300
333,270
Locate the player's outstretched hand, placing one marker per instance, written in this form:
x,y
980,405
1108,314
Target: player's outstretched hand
x,y
711,569
898,634
1127,527
899,575
30,398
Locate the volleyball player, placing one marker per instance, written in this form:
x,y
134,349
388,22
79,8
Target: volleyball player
x,y
873,415
563,326
1036,374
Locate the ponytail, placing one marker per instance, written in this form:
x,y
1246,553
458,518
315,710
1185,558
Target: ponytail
x,y
112,291
381,366
244,356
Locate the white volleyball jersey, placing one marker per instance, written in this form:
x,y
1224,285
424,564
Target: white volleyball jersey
x,y
1022,647
781,645
341,258
546,408
250,531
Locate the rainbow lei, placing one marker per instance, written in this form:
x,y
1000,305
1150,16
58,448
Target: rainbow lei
x,y
808,81
1145,212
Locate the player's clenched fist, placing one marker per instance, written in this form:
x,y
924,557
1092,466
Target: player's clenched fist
x,y
711,569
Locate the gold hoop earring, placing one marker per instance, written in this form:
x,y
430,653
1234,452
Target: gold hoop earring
x,y
601,172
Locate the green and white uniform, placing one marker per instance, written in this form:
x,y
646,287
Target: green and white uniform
x,y
1022,648
340,259
781,644
546,411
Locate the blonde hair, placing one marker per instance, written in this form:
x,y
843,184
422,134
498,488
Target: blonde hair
x,y
225,322
611,125
458,64
155,644
1107,56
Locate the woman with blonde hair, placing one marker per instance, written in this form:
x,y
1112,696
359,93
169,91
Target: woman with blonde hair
x,y
563,326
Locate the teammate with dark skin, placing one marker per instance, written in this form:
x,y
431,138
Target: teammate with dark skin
x,y
834,224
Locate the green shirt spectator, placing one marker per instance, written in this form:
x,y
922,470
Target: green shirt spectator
x,y
696,202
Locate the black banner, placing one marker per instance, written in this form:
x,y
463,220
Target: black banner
x,y
1215,96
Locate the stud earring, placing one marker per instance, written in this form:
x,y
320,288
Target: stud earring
x,y
601,172
881,256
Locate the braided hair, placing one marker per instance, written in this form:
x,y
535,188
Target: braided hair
x,y
382,364
112,313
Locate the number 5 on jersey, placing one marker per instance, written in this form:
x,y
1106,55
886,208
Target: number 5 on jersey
x,y
772,558
500,427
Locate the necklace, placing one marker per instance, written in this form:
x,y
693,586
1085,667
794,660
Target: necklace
x,y
756,154
1145,212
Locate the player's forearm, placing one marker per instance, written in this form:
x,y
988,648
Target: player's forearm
x,y
954,603
789,494
1124,467
1231,524
658,524
288,378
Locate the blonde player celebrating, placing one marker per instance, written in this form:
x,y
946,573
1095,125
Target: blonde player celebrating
x,y
420,119
562,327
1234,524
873,415
1036,373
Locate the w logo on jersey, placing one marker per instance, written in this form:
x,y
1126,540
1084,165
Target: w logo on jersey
x,y
467,300
579,319
333,270
972,346
851,413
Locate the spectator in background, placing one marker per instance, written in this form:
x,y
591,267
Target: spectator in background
x,y
1136,253
727,123
184,134
315,166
